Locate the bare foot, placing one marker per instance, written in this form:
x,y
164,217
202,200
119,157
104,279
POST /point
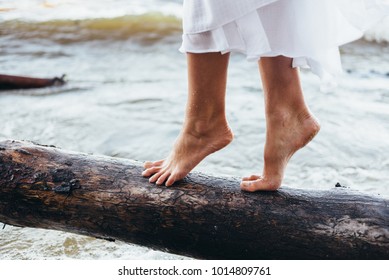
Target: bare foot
x,y
194,143
285,135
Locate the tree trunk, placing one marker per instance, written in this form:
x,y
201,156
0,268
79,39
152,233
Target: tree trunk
x,y
8,82
201,216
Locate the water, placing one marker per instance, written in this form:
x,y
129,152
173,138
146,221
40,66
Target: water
x,y
127,87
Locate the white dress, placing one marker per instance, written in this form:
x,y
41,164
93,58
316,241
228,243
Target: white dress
x,y
309,31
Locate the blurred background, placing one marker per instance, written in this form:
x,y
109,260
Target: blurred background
x,y
127,87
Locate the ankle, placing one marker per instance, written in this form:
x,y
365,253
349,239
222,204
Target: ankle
x,y
283,115
201,126
279,116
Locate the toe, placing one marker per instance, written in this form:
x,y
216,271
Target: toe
x,y
258,185
149,164
174,177
150,171
251,178
247,185
170,181
163,178
155,177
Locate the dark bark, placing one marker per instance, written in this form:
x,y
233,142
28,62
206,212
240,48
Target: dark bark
x,y
8,82
200,216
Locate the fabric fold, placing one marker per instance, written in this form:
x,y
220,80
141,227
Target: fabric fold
x,y
308,31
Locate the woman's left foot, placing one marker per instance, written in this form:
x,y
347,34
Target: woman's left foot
x,y
286,133
192,146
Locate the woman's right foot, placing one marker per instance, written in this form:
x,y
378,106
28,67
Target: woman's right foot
x,y
195,142
286,133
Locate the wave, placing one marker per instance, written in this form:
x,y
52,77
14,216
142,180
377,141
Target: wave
x,y
148,27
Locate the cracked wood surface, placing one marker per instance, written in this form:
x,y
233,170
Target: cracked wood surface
x,y
201,216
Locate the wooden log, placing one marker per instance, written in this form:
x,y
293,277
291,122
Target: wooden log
x,y
201,216
8,82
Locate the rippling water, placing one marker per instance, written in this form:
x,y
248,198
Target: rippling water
x,y
127,87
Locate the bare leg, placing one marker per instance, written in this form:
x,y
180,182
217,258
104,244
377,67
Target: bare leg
x,y
205,128
289,123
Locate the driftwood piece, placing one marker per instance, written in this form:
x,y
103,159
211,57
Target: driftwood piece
x,y
201,216
8,82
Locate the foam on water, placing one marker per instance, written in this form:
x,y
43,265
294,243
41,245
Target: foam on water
x,y
109,13
144,27
46,10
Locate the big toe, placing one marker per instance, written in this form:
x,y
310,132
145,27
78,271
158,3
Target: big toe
x,y
248,185
251,178
258,185
174,177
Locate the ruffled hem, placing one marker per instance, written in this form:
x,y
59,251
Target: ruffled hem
x,y
308,31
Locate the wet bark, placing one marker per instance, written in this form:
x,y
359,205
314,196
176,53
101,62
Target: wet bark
x,y
201,216
8,82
